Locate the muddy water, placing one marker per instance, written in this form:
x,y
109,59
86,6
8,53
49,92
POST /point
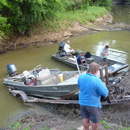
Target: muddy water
x,y
121,14
117,40
12,108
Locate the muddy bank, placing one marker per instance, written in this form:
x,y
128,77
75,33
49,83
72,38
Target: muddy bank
x,y
43,37
37,122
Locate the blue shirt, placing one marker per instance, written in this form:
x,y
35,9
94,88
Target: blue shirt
x,y
79,59
91,88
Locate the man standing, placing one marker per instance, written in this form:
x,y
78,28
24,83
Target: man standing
x,y
68,49
91,88
104,53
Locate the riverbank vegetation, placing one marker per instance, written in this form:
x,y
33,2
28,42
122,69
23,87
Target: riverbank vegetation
x,y
21,16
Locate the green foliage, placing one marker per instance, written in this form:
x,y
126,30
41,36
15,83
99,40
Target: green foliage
x,y
103,122
4,27
104,3
45,128
64,20
85,4
22,15
18,126
27,128
107,126
15,126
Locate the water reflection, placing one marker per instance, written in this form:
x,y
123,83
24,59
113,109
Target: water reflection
x,y
120,55
118,42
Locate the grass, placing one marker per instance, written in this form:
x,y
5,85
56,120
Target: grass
x,y
107,126
18,126
64,20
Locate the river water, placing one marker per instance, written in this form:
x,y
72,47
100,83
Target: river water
x,y
121,14
26,59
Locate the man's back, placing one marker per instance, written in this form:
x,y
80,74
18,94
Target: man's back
x,y
91,89
66,47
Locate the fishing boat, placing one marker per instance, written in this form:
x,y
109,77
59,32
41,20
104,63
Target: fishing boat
x,y
42,82
56,87
113,66
71,60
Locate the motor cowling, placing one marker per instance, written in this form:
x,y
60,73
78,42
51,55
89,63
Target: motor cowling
x,y
11,69
61,47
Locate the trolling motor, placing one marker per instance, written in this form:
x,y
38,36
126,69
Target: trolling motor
x,y
11,69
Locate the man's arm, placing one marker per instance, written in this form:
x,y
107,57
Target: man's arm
x,y
104,53
102,89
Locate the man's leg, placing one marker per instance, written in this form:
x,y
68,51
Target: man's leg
x,y
101,61
86,123
104,61
95,117
95,126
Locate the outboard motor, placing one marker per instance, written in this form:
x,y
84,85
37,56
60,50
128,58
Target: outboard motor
x,y
61,47
11,69
62,52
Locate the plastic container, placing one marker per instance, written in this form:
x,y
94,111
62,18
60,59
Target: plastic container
x,y
61,77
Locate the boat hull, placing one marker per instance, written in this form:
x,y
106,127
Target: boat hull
x,y
50,87
113,66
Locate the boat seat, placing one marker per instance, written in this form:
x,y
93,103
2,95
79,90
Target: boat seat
x,y
27,74
44,73
49,80
69,81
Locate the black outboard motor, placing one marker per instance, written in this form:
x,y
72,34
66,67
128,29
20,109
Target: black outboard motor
x,y
61,47
62,52
11,69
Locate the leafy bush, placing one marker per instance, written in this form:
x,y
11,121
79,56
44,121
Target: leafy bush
x,y
22,15
66,19
4,27
104,3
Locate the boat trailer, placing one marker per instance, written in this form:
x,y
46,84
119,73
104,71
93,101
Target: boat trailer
x,y
31,99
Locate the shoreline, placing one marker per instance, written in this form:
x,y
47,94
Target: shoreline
x,y
44,38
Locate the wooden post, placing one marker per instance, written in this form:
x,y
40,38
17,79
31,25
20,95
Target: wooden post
x,y
101,74
106,74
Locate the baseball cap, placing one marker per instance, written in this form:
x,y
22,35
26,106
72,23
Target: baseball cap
x,y
68,41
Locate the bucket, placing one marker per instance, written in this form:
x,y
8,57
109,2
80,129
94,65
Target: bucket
x,y
61,77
